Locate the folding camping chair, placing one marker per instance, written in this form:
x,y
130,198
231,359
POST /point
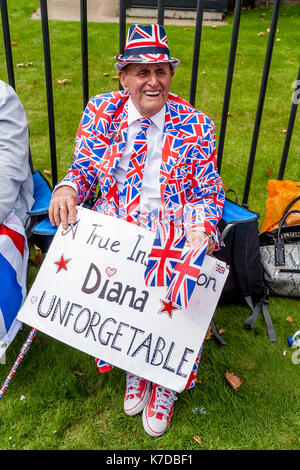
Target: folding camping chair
x,y
39,229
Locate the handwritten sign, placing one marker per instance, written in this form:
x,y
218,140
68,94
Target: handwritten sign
x,y
90,293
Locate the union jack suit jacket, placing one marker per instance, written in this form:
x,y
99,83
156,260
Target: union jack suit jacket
x,y
189,181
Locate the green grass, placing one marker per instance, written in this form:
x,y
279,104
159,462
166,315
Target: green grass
x,y
67,410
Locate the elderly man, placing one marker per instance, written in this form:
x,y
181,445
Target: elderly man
x,y
146,149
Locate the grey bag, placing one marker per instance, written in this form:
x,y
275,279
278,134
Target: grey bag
x,y
280,257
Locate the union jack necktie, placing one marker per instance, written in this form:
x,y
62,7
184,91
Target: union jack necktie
x,y
130,195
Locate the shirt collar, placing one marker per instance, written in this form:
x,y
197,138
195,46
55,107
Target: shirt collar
x,y
133,115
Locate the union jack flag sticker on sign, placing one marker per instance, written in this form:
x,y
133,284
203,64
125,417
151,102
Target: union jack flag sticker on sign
x,y
220,268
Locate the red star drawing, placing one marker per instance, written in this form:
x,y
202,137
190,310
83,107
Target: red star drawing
x,y
168,306
62,263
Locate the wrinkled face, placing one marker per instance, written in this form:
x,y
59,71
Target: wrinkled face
x,y
148,85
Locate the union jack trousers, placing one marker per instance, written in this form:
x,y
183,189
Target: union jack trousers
x,y
105,367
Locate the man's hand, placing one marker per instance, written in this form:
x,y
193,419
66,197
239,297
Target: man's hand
x,y
194,237
63,206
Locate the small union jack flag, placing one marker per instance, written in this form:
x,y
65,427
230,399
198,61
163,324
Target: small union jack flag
x,y
103,366
185,275
193,375
166,252
220,268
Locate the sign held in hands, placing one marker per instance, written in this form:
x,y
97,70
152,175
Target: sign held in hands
x,y
90,293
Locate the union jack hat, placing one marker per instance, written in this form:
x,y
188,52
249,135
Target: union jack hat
x,y
145,44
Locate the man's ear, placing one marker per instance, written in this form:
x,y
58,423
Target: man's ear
x,y
122,78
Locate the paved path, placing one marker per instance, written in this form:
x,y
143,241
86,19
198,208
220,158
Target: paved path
x,y
102,12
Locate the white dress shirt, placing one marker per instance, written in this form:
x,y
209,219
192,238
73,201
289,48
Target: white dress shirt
x,y
150,190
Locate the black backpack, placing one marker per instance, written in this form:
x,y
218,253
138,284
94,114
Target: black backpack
x,y
245,282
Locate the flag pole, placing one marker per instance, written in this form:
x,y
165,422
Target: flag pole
x,y
22,353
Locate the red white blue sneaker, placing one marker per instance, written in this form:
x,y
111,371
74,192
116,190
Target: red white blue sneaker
x,y
137,394
158,412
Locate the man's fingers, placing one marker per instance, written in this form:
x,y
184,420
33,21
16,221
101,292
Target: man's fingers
x,y
63,214
51,214
211,246
195,237
54,213
62,208
72,214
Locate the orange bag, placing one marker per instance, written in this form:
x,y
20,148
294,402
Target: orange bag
x,y
281,194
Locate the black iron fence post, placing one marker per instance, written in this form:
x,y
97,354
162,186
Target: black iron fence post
x,y
261,99
48,78
160,11
84,52
122,29
288,137
232,55
197,41
7,44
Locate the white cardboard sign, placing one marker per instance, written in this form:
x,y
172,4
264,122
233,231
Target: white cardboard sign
x,y
90,293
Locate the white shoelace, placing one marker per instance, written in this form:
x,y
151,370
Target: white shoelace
x,y
133,384
164,400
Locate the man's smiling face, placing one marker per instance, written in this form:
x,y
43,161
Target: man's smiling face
x,y
148,85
